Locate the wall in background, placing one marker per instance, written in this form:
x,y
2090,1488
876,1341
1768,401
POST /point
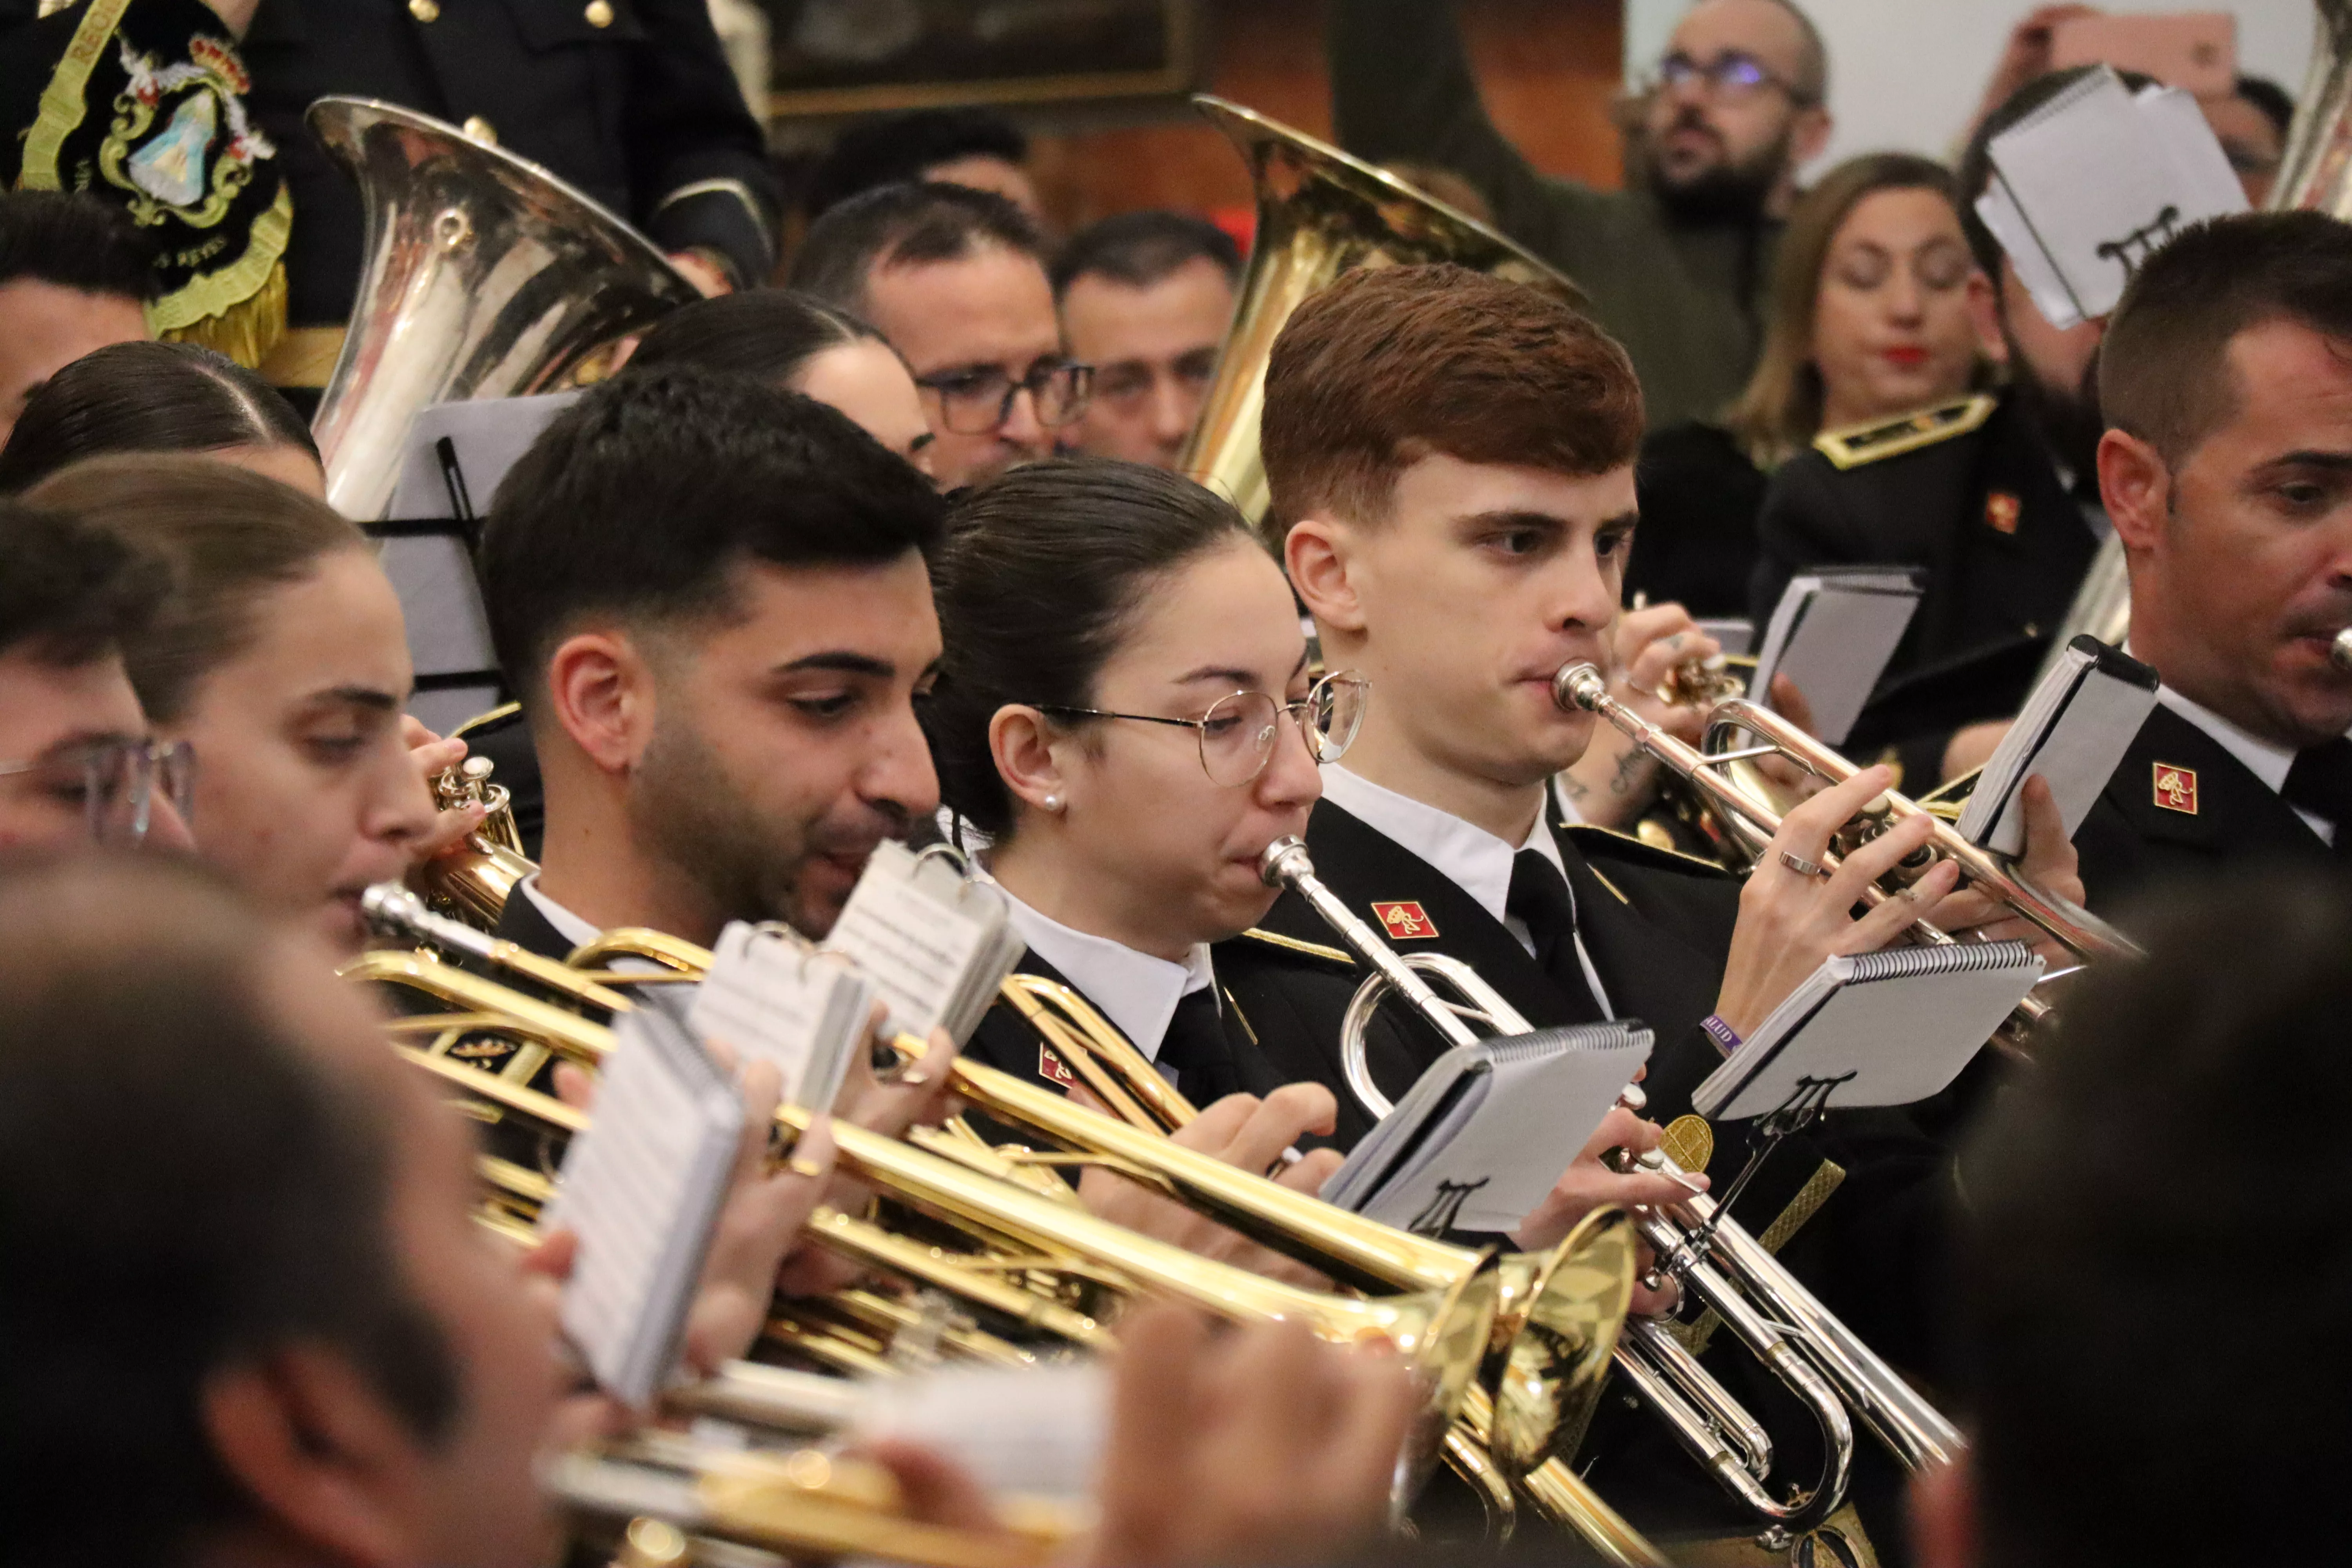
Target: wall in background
x,y
1550,70
1907,74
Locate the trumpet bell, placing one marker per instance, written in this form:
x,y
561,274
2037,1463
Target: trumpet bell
x,y
1575,1300
1321,212
485,277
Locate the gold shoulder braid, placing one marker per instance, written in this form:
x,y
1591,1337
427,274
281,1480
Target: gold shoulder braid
x,y
1855,444
144,107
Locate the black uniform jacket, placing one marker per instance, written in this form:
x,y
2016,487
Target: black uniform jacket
x,y
1005,1041
1699,498
1981,508
2180,807
641,113
1854,1208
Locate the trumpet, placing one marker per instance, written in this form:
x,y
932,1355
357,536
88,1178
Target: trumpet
x,y
1753,821
473,880
1441,1335
1767,1308
2339,652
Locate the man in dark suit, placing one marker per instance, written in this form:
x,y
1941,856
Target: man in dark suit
x,y
631,100
2227,377
1453,458
1997,500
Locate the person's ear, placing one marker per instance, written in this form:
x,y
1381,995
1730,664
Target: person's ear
x,y
1984,317
1320,555
601,691
1944,1515
320,1457
1023,749
1812,134
2137,487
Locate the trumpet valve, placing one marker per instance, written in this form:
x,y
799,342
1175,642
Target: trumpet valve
x,y
1700,683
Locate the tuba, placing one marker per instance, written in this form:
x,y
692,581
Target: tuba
x,y
1321,212
485,277
2315,175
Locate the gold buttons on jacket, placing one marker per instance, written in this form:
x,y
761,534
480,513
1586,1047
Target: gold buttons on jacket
x,y
424,10
599,13
481,131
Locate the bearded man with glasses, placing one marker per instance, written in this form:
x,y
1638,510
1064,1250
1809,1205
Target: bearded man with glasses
x,y
76,758
1678,263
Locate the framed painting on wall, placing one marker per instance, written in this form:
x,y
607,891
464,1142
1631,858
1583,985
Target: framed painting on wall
x,y
850,56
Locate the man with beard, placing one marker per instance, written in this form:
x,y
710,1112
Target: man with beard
x,y
1997,499
1678,264
2227,377
712,599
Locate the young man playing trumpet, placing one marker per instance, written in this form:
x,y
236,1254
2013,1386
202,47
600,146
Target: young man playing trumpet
x,y
2227,376
1451,459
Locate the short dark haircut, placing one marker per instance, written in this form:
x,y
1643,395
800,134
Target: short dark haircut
x,y
2277,105
900,149
1139,249
768,334
904,226
184,1187
1392,364
1043,574
2179,1146
226,537
146,397
75,242
1975,171
641,501
69,594
2164,366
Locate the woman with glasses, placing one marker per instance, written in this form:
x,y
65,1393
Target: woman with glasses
x,y
278,652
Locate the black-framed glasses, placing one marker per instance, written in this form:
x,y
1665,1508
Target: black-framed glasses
x,y
1732,74
115,780
977,401
1238,732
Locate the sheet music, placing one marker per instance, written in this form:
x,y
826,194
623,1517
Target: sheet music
x,y
1831,634
642,1188
1885,1028
2094,182
774,997
934,943
1486,1131
2077,725
1036,1430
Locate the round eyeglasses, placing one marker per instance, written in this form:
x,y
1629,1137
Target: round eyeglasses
x,y
115,782
1238,732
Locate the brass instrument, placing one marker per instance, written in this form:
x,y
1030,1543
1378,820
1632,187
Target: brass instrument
x,y
1441,1336
2339,652
1755,820
1780,1322
485,277
473,880
1321,213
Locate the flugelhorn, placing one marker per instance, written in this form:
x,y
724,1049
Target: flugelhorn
x,y
1772,1313
1441,1336
1753,820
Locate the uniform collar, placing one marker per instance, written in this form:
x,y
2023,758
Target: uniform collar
x,y
1471,857
1135,991
2267,761
578,932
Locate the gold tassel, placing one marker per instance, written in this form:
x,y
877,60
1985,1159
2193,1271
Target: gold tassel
x,y
244,332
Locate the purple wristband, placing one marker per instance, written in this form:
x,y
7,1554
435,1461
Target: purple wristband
x,y
1726,1040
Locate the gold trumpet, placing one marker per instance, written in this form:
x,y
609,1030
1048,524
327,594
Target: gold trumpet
x,y
1753,820
1441,1336
473,880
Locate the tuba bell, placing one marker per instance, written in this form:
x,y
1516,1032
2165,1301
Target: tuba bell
x,y
485,277
1321,213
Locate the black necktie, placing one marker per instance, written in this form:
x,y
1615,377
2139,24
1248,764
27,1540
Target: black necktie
x,y
1540,899
2321,783
1195,1047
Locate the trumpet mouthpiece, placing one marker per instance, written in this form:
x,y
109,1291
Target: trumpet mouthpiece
x,y
1283,858
392,910
2339,652
1580,685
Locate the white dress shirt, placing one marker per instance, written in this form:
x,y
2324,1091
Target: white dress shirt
x,y
2267,761
568,926
1474,859
1136,991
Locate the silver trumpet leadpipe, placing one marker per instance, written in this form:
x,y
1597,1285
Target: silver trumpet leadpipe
x,y
1710,1423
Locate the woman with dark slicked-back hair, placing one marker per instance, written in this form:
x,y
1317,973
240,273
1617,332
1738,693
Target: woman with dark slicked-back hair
x,y
159,397
800,345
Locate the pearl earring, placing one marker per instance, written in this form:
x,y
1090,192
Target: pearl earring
x,y
1052,802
